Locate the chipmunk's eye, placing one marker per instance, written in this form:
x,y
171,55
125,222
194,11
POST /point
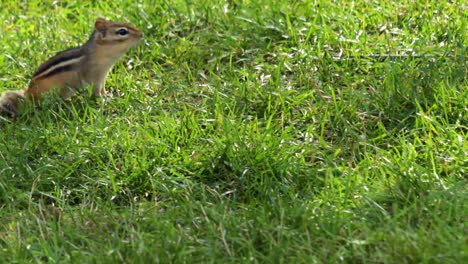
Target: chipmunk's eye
x,y
122,31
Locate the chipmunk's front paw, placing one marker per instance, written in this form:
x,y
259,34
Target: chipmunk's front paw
x,y
103,98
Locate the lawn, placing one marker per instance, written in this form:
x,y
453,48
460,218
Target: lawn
x,y
242,132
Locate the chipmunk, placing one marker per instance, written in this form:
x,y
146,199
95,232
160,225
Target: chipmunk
x,y
75,68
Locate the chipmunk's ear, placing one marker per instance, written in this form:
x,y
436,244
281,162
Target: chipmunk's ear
x,y
101,25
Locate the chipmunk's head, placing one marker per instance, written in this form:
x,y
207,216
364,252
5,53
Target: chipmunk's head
x,y
116,37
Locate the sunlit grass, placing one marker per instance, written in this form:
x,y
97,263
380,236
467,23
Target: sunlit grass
x,y
242,131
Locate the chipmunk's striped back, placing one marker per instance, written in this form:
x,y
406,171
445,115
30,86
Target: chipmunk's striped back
x,y
63,61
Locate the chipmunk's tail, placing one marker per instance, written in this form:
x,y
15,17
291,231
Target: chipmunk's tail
x,y
10,100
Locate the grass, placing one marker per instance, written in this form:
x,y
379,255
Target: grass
x,y
235,134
